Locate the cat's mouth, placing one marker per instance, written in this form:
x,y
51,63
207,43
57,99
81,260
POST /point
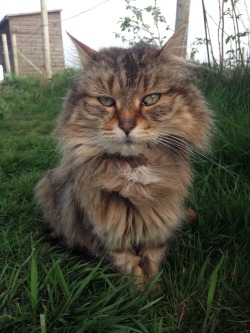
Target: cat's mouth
x,y
128,146
129,142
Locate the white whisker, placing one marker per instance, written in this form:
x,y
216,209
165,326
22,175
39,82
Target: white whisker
x,y
185,145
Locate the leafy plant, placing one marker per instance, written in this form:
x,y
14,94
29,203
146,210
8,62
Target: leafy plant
x,y
234,56
148,25
138,31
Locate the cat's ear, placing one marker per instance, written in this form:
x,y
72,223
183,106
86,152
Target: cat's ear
x,y
86,54
175,45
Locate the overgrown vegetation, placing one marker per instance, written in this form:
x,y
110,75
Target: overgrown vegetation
x,y
205,276
229,48
143,25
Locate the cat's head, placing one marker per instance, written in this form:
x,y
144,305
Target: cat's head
x,y
126,100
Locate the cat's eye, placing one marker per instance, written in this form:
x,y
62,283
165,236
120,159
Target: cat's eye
x,y
150,99
106,101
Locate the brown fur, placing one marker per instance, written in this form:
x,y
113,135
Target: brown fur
x,y
117,194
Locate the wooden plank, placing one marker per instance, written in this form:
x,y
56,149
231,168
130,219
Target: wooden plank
x,y
29,62
14,52
6,53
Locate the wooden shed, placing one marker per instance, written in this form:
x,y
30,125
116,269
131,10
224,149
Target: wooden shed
x,y
29,42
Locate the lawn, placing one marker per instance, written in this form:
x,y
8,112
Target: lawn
x,y
205,275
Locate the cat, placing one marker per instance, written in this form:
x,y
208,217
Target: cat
x,y
128,125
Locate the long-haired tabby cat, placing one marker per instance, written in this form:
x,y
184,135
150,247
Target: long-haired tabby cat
x,y
125,133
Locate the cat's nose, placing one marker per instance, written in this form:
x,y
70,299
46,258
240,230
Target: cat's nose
x,y
127,125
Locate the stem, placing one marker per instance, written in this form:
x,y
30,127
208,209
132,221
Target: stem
x,y
222,32
205,28
218,36
237,35
157,26
235,32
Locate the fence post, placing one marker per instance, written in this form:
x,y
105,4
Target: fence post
x,y
46,46
14,50
182,18
6,53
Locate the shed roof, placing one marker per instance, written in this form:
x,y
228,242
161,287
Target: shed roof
x,y
6,17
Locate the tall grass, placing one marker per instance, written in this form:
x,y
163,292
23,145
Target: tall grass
x,y
205,275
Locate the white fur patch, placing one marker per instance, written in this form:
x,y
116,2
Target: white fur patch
x,y
141,175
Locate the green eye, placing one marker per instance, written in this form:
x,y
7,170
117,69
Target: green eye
x,y
106,101
150,99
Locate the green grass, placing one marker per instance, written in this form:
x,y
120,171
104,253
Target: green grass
x,y
45,288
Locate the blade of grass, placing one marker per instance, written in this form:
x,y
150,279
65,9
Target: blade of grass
x,y
33,280
43,323
12,283
200,278
213,284
211,291
141,326
151,303
79,287
61,279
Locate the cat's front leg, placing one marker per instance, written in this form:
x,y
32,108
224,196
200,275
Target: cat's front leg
x,y
145,265
127,262
151,259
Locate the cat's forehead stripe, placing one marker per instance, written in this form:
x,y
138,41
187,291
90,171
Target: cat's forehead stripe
x,y
127,58
125,69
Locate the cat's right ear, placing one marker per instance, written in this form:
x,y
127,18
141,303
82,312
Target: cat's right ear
x,y
175,45
86,54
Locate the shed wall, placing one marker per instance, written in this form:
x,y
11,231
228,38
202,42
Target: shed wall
x,y
29,36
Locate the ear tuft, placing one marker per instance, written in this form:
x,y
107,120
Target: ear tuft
x,y
175,45
86,54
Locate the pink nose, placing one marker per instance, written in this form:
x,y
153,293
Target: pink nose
x,y
127,125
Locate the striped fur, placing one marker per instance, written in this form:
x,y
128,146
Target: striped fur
x,y
122,194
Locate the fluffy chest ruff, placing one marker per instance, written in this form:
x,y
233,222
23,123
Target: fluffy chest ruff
x,y
131,202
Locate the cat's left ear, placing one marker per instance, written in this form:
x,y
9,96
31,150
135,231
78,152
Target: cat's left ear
x,y
175,45
86,54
